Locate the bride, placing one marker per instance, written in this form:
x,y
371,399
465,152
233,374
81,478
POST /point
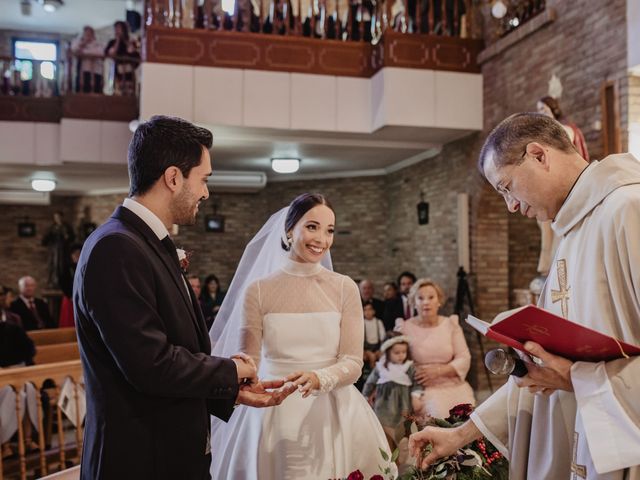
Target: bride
x,y
297,319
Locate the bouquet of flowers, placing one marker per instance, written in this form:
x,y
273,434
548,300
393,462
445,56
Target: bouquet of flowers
x,y
479,460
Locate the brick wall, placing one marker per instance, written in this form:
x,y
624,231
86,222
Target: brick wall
x,y
27,256
634,104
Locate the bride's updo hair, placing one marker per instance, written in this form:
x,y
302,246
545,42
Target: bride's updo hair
x,y
301,205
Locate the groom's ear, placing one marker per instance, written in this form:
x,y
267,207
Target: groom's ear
x,y
172,178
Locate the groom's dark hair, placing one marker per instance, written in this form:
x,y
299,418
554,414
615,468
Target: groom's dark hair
x,y
301,205
160,143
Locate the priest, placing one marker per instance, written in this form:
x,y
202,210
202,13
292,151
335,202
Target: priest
x,y
564,419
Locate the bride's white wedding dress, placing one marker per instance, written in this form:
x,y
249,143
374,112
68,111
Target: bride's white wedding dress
x,y
302,317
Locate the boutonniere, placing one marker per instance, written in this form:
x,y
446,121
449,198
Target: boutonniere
x,y
184,257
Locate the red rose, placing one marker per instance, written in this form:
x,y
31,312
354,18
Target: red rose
x,y
377,477
357,475
462,410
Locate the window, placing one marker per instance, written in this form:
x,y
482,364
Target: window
x,y
43,52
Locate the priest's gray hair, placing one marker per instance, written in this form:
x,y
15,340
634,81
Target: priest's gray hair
x,y
509,139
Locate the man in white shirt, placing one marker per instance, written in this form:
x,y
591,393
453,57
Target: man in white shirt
x,y
150,379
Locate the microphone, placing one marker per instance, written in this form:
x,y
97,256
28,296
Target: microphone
x,y
500,362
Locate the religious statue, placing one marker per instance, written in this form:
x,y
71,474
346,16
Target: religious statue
x,y
58,238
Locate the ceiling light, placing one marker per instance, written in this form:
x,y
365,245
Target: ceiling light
x,y
498,9
285,165
43,185
51,6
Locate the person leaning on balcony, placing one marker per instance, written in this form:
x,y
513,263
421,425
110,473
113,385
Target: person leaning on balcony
x,y
88,49
119,47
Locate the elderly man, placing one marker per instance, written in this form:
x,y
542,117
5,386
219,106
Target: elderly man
x,y
33,311
366,295
567,419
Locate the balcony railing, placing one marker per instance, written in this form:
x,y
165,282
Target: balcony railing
x,y
348,38
78,86
347,20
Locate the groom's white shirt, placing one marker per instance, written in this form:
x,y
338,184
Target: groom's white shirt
x,y
152,220
147,216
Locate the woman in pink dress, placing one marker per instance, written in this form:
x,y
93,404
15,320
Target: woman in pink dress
x,y
439,351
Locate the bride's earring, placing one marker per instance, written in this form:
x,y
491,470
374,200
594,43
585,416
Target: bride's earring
x,y
289,241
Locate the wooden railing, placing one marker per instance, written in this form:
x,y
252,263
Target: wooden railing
x,y
359,20
79,74
346,38
78,86
47,379
518,12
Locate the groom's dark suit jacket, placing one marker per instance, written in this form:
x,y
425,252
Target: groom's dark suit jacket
x,y
150,380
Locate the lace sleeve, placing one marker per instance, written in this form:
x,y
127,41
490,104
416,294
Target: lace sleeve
x,y
349,365
251,329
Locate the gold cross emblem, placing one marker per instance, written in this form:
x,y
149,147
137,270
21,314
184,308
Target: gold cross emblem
x,y
562,295
578,471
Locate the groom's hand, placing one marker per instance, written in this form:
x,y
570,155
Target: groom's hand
x,y
247,370
266,393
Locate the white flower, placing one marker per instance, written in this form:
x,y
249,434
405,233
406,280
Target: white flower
x,y
181,254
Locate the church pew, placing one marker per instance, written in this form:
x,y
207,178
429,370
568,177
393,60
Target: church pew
x,y
56,353
50,336
52,460
68,474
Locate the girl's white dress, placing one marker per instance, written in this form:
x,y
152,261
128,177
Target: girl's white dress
x,y
302,317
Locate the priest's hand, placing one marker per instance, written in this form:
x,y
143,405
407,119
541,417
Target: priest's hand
x,y
265,393
554,373
432,443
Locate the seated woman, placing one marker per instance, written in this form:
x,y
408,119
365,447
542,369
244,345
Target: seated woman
x,y
439,350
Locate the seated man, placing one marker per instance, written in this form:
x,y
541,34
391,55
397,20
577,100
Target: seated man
x,y
33,311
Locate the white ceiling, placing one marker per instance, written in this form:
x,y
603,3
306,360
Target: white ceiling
x,y
324,155
69,19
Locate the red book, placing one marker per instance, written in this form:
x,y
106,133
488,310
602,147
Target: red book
x,y
555,334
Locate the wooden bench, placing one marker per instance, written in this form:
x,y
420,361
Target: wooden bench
x,y
50,336
60,352
44,460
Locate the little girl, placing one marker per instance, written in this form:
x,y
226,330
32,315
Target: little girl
x,y
396,392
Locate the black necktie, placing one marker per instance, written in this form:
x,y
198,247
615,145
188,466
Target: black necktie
x,y
171,248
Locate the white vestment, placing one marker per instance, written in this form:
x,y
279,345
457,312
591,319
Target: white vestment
x,y
594,432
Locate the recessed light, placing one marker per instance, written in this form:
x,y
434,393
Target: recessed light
x,y
43,185
285,165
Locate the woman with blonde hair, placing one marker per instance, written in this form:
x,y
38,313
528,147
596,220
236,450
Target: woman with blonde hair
x,y
439,350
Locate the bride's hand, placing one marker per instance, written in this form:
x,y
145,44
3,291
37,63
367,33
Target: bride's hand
x,y
306,382
265,393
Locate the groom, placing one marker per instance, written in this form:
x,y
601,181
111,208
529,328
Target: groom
x,y
150,379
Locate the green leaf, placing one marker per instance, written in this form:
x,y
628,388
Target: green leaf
x,y
394,457
385,455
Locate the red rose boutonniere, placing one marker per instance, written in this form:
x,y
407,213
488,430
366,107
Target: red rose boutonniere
x,y
184,257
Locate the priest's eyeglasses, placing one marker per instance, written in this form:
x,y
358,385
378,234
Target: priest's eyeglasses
x,y
503,188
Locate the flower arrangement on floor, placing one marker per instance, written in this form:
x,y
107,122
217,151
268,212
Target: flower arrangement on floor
x,y
479,460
